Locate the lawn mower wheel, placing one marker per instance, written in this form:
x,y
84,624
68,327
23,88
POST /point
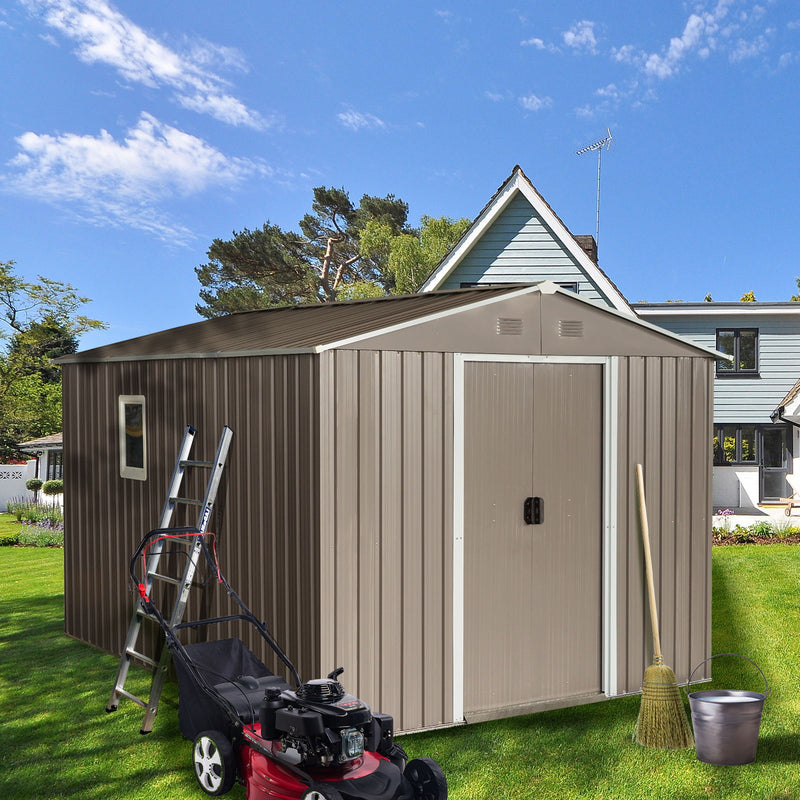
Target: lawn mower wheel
x,y
427,779
214,764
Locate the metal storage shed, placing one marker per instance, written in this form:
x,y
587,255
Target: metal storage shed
x,y
383,452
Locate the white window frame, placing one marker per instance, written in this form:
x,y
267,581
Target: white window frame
x,y
125,470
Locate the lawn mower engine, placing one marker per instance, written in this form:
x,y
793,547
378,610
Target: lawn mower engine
x,y
323,724
334,739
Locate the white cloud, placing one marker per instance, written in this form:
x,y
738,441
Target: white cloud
x,y
112,182
534,42
581,36
357,120
744,49
706,31
533,102
664,66
104,35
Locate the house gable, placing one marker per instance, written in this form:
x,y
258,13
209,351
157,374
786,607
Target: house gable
x,y
517,238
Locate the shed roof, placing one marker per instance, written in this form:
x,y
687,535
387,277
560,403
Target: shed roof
x,y
316,327
300,328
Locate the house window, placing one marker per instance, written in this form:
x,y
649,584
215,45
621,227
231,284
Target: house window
x,y
735,444
742,345
132,437
55,461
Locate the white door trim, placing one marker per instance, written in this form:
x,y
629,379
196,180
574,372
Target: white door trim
x,y
609,511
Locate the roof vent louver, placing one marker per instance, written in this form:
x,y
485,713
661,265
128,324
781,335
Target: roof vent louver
x,y
570,328
509,326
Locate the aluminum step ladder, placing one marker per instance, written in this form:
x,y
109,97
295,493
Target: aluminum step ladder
x,y
185,581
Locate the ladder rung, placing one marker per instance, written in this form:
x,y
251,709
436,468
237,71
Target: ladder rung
x,y
186,500
167,578
137,700
206,464
147,660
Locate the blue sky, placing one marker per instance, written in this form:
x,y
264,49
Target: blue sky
x,y
132,134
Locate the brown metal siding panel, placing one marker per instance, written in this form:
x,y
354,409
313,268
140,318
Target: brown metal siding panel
x,y
700,555
391,486
664,425
391,517
411,633
268,546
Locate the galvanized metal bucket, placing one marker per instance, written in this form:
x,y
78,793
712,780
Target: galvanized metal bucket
x,y
726,721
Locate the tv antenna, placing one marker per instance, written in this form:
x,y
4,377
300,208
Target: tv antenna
x,y
599,146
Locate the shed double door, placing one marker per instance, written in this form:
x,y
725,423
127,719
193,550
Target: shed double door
x,y
532,592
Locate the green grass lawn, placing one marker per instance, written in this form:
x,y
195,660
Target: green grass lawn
x,y
8,526
56,740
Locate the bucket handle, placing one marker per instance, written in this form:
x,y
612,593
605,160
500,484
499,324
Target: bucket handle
x,y
766,685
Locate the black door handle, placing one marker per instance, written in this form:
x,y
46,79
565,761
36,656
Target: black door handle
x,y
533,510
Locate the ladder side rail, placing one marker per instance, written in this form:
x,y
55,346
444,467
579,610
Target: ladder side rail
x,y
214,480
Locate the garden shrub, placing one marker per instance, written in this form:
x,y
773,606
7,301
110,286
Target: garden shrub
x,y
53,487
42,534
16,507
763,530
28,511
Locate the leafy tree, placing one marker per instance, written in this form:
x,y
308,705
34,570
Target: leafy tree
x,y
796,297
413,261
748,297
411,256
255,269
270,266
39,321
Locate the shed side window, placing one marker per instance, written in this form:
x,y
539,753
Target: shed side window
x,y
132,437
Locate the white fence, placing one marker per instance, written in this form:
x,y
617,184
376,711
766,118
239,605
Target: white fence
x,y
12,481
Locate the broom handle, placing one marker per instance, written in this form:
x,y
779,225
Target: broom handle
x,y
648,563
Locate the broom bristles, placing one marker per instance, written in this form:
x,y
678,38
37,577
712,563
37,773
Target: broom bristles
x,y
662,719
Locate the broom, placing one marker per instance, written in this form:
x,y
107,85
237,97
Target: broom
x,y
662,718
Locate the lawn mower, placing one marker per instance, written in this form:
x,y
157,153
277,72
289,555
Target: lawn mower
x,y
311,742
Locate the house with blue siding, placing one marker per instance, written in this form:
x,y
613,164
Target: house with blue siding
x,y
756,396
518,238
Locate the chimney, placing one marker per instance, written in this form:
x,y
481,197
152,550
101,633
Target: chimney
x,y
588,245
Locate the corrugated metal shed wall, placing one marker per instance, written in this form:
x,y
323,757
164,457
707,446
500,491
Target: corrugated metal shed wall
x,y
665,424
387,524
269,526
